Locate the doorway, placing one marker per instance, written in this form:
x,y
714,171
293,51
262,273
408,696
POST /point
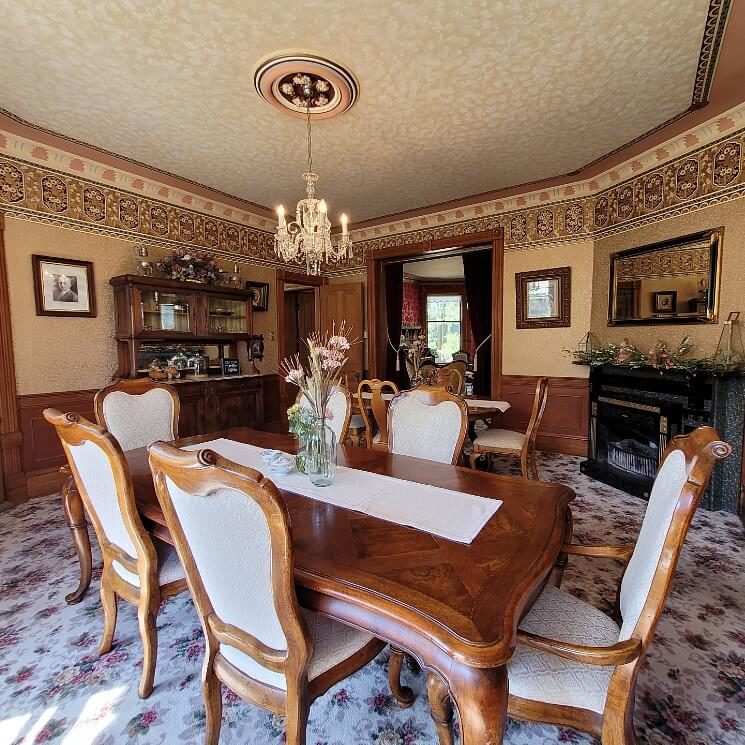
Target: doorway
x,y
380,265
298,314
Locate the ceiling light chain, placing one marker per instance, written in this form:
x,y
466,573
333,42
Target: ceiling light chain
x,y
309,235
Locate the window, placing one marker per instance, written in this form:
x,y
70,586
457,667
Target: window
x,y
444,325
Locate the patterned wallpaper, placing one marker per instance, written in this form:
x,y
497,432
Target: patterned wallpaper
x,y
702,167
705,176
48,195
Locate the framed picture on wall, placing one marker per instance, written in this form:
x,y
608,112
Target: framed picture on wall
x,y
260,292
543,298
665,302
63,287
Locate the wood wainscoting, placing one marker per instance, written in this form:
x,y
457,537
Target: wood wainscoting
x,y
206,406
565,422
42,451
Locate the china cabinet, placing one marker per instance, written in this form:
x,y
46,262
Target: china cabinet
x,y
158,320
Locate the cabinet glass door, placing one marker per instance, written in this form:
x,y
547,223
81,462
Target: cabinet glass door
x,y
165,311
227,316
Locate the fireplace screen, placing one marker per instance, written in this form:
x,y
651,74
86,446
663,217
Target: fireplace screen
x,y
627,437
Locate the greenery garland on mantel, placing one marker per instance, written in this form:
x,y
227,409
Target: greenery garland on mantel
x,y
661,357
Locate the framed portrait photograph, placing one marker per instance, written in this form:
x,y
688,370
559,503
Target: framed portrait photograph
x,y
260,295
665,302
63,287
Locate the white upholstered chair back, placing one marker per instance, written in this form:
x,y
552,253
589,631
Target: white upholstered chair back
x,y
97,478
640,572
424,427
138,413
340,408
228,535
231,532
102,478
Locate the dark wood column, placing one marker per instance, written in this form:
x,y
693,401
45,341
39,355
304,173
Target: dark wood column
x,y
12,479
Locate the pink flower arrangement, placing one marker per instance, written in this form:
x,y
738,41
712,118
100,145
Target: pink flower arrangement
x,y
327,355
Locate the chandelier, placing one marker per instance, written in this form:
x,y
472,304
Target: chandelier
x,y
308,236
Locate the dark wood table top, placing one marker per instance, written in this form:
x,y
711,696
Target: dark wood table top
x,y
464,600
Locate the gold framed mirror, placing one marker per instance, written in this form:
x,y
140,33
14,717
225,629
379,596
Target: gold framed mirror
x,y
670,282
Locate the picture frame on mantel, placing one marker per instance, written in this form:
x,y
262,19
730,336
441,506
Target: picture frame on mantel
x,y
543,298
63,287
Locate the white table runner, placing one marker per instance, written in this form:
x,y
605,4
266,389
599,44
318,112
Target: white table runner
x,y
454,515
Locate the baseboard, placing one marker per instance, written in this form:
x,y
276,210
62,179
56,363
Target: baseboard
x,y
562,444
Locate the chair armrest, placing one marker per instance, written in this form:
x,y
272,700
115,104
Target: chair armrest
x,y
605,552
617,654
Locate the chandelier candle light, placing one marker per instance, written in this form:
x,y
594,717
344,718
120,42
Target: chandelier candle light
x,y
309,235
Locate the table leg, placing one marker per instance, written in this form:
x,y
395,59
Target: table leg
x,y
72,504
480,696
440,708
557,573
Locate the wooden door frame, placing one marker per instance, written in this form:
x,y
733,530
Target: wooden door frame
x,y
285,277
12,478
436,247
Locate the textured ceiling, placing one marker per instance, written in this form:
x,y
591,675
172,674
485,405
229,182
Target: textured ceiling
x,y
448,267
456,97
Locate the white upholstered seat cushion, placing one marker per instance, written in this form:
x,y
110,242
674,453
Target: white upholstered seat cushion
x,y
169,566
500,438
540,676
333,643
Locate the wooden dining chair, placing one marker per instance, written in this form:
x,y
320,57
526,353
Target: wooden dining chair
x,y
374,411
340,407
138,412
456,375
134,567
575,666
517,444
427,422
232,532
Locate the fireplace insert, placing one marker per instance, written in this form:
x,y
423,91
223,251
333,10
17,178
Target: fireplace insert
x,y
635,412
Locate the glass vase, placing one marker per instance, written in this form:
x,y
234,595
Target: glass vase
x,y
320,454
300,454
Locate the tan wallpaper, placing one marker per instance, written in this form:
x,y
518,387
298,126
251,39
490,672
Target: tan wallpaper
x,y
59,354
540,351
731,215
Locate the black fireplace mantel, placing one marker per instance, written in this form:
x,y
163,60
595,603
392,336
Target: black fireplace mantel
x,y
634,412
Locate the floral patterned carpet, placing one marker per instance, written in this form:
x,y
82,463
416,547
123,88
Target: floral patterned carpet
x,y
56,690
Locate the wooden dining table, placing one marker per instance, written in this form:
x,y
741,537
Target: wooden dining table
x,y
454,607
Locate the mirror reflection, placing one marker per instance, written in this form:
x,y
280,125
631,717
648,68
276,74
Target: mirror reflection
x,y
670,282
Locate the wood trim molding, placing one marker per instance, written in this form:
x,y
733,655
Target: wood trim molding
x,y
564,428
12,479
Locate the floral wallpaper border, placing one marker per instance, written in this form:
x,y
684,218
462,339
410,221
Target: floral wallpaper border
x,y
699,179
51,196
695,170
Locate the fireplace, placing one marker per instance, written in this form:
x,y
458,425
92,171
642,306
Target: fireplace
x,y
635,413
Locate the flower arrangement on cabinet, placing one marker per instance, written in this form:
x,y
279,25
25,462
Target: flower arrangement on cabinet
x,y
191,266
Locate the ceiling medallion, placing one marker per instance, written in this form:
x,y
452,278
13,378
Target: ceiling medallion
x,y
284,80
